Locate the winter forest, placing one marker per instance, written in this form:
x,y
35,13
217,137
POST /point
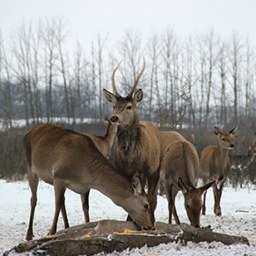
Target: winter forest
x,y
195,81
127,128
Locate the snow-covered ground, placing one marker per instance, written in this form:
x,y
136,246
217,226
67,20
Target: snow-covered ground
x,y
22,122
239,217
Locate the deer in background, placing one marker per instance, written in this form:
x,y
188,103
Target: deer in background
x,y
31,141
215,164
136,150
179,172
251,154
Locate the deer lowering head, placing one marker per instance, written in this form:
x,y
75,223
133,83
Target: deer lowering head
x,y
193,200
225,139
125,108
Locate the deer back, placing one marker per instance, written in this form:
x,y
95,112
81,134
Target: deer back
x,y
181,161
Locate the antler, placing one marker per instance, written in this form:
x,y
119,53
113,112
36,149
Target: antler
x,y
114,82
136,81
233,130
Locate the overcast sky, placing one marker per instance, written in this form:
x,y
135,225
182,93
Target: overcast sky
x,y
87,18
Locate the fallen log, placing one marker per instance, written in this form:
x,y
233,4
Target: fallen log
x,y
198,235
111,235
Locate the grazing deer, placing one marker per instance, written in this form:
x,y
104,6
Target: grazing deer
x,y
179,171
136,149
215,163
102,143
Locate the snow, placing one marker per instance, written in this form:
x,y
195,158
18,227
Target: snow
x,y
22,122
239,218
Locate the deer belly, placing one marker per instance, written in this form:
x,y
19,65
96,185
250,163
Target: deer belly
x,y
78,188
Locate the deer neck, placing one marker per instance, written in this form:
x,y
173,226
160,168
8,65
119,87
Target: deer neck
x,y
110,135
114,185
128,136
223,153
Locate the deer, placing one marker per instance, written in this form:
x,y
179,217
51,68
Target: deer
x,y
102,143
136,150
215,163
251,154
179,172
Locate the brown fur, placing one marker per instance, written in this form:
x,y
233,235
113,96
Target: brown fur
x,y
137,147
179,171
215,164
50,148
104,145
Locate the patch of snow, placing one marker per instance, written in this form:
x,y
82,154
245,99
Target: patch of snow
x,y
22,122
238,207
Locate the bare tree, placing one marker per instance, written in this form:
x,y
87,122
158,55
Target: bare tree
x,y
48,34
235,58
223,75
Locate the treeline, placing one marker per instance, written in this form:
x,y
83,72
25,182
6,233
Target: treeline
x,y
196,82
13,165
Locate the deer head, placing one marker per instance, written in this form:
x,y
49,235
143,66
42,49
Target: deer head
x,y
193,200
124,108
225,139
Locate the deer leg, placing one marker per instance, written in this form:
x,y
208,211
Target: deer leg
x,y
204,200
33,184
152,193
59,190
64,214
174,211
167,191
85,205
217,195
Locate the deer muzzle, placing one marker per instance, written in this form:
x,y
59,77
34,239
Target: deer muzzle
x,y
114,119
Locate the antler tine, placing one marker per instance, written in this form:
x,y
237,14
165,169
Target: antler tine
x,y
113,80
136,81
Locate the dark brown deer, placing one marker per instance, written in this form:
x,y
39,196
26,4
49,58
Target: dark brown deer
x,y
136,149
103,144
179,171
215,164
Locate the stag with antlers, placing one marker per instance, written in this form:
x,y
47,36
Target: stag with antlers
x,y
136,150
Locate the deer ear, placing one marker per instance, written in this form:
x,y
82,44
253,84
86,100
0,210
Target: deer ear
x,y
182,186
206,186
109,96
136,185
138,95
216,130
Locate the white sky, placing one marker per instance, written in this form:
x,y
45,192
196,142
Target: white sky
x,y
87,18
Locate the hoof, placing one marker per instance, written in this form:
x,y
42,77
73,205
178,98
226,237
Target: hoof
x,y
29,237
218,213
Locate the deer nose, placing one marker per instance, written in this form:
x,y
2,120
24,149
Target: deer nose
x,y
114,119
232,145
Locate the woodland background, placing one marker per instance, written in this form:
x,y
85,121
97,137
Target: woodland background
x,y
190,84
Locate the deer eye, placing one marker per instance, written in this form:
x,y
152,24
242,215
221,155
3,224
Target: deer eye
x,y
129,107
